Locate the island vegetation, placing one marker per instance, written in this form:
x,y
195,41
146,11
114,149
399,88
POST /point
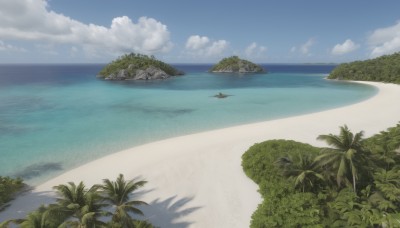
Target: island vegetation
x,y
382,69
234,64
9,187
107,205
353,183
138,67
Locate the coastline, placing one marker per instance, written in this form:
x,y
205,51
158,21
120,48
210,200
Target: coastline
x,y
197,180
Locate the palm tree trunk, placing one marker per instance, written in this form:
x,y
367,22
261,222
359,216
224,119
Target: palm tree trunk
x,y
354,184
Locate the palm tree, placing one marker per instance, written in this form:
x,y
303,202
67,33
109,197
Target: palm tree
x,y
117,193
384,148
36,219
75,201
302,169
345,156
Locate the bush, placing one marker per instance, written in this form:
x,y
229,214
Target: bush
x,y
282,204
8,188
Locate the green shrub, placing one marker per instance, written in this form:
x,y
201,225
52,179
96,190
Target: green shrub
x,y
8,188
282,206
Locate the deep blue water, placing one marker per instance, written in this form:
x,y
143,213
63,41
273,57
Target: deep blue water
x,y
56,117
63,75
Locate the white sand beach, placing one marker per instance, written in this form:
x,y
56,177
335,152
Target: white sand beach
x,y
197,180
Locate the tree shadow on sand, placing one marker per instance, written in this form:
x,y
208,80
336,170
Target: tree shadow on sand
x,y
165,213
169,212
25,203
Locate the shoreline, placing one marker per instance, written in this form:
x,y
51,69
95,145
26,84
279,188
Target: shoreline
x,y
196,180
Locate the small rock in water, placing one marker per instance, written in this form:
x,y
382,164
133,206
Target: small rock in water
x,y
221,95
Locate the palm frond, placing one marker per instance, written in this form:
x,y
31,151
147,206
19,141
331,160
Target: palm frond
x,y
118,193
331,140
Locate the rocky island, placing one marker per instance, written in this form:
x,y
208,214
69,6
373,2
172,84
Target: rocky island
x,y
137,67
236,65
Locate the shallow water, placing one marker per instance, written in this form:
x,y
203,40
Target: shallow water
x,y
56,117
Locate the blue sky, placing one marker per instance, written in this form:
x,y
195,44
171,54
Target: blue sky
x,y
179,31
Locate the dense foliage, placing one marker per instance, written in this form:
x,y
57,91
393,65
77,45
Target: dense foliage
x,y
234,63
8,188
283,205
137,62
353,183
78,206
383,69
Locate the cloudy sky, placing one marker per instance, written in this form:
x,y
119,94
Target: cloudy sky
x,y
179,31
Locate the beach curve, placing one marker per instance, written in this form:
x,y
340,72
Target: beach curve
x,y
197,180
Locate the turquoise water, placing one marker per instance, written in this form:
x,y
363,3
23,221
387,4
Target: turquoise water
x,y
66,118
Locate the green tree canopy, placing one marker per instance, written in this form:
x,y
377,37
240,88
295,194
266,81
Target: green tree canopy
x,y
8,188
133,62
289,175
382,69
235,64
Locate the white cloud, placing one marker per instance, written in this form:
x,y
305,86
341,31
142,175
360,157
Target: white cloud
x,y
202,46
384,41
255,50
251,48
197,42
9,47
31,20
305,48
73,51
48,49
217,48
347,47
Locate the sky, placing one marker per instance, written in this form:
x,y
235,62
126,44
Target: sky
x,y
187,31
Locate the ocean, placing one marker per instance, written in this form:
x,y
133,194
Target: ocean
x,y
57,117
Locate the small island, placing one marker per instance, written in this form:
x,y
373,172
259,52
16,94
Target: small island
x,y
382,69
138,67
236,65
221,95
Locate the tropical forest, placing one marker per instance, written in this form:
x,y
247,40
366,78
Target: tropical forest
x,y
355,182
382,69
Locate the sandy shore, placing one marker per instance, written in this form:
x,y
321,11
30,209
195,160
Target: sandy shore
x,y
197,180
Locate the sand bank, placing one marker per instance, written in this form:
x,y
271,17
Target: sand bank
x,y
197,180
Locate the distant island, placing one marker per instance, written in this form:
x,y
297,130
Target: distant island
x,y
382,69
137,67
234,64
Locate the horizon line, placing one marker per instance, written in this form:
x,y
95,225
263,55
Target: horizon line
x,y
91,63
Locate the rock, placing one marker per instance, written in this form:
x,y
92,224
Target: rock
x,y
221,95
122,74
150,73
156,73
140,75
110,77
